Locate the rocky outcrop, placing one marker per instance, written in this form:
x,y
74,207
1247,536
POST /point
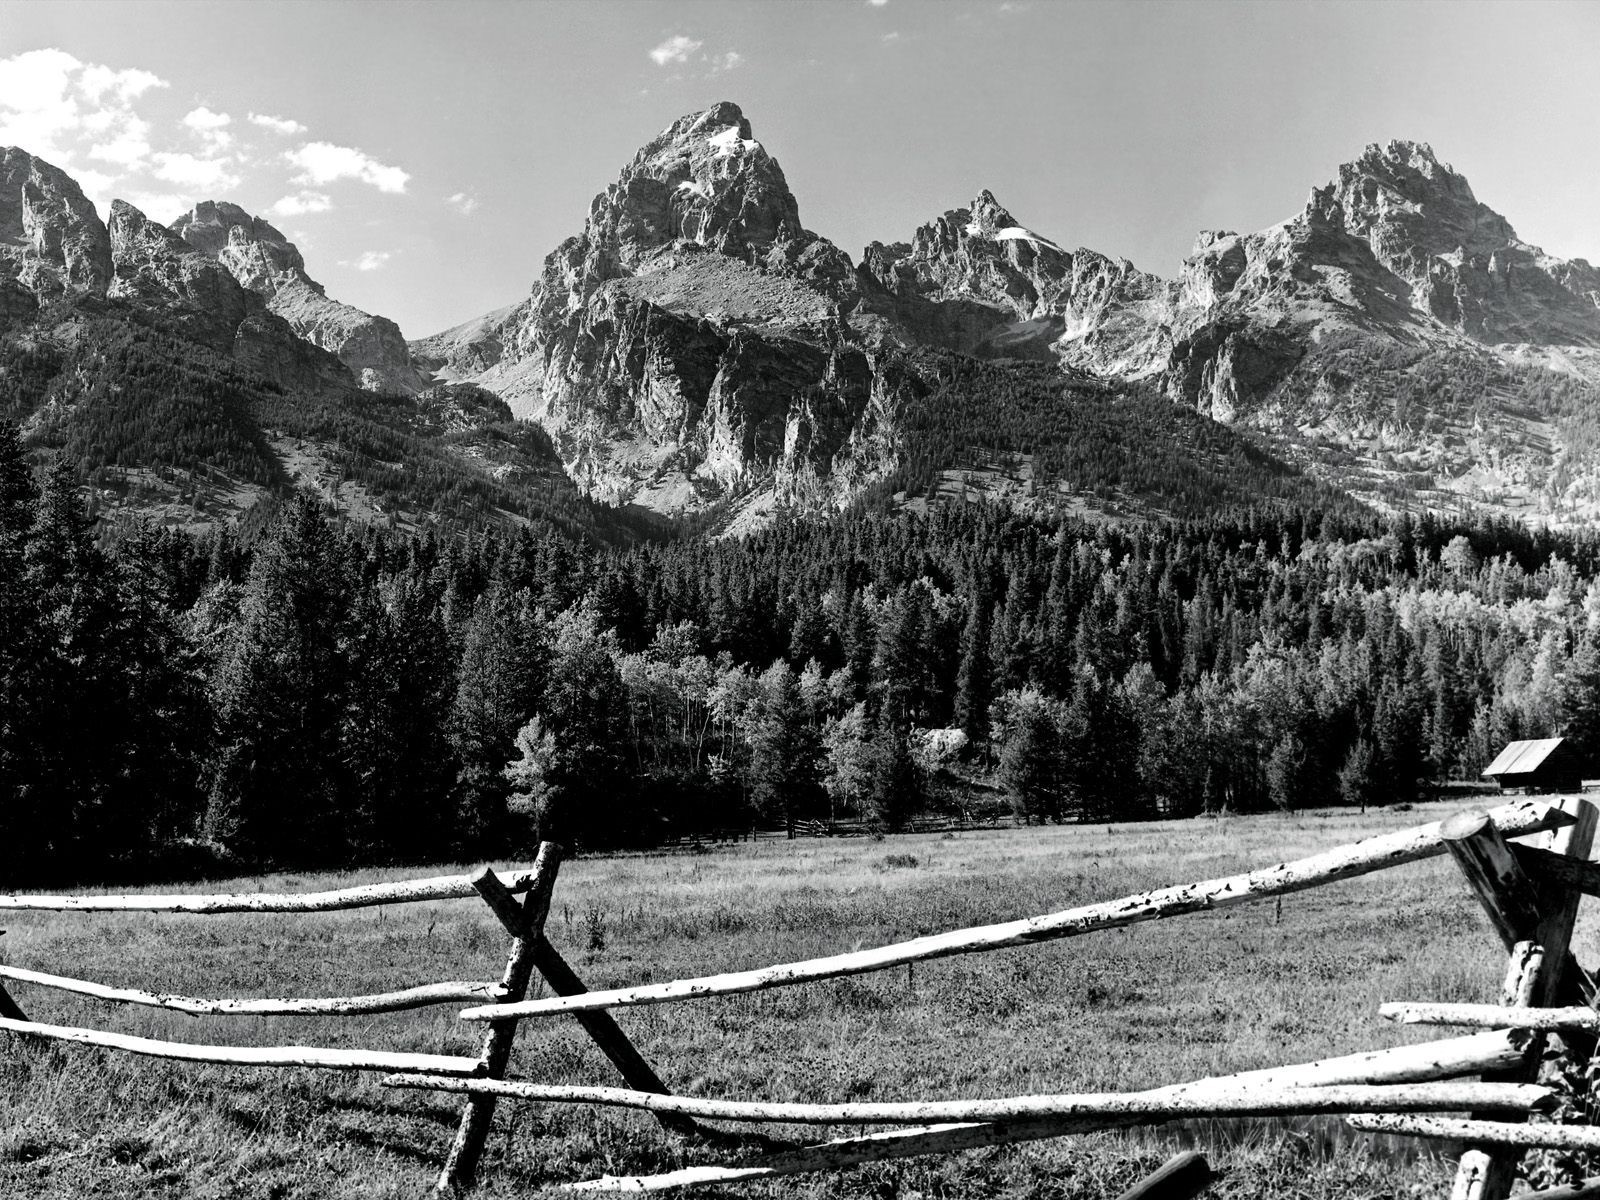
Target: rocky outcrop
x,y
152,265
694,328
261,259
52,242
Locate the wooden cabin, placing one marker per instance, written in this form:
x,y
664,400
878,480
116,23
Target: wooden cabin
x,y
1537,765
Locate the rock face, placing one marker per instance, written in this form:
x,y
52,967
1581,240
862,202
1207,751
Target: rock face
x,y
52,242
692,338
264,261
695,340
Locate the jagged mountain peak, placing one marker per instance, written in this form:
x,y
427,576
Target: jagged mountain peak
x,y
249,246
704,179
266,262
51,239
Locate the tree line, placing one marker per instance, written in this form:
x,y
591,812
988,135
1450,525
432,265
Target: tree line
x,y
333,694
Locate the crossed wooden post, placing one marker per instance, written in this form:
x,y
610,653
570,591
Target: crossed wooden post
x,y
1535,923
530,951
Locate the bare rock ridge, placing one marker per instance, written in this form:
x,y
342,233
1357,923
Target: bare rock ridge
x,y
51,239
692,338
261,259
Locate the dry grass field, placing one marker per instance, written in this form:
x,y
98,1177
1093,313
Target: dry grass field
x,y
1152,1004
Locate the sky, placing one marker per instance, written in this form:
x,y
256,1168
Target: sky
x,y
426,156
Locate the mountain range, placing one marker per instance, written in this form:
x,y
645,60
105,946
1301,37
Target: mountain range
x,y
694,349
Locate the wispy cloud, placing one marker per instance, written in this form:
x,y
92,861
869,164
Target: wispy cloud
x,y
59,107
372,260
728,62
463,202
276,124
892,36
877,3
675,49
301,203
210,127
323,162
188,170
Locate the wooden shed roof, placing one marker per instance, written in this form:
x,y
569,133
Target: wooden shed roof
x,y
1522,758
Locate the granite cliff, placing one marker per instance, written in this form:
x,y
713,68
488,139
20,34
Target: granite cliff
x,y
262,260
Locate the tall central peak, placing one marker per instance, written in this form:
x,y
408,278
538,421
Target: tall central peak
x,y
703,182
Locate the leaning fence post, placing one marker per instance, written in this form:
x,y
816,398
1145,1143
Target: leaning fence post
x,y
1181,1177
9,1008
525,922
603,1029
1536,925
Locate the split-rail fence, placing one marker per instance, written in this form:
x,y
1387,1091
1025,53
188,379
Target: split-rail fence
x,y
1527,862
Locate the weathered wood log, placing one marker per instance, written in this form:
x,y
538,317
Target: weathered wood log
x,y
1182,1177
376,1002
527,928
1535,976
1345,862
1163,1104
604,1031
1497,879
1484,1133
320,1057
1491,1016
9,1008
1575,874
1442,1059
1588,1189
406,891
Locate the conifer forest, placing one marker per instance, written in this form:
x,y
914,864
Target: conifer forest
x,y
327,693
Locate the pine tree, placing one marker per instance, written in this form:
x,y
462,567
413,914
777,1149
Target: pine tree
x,y
278,785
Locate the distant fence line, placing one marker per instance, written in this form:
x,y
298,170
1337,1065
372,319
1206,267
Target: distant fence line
x,y
1530,892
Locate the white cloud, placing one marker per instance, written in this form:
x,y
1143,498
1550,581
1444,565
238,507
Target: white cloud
x,y
877,3
128,146
125,86
301,203
206,174
163,207
277,124
675,49
50,102
323,162
463,203
728,61
204,118
372,260
892,36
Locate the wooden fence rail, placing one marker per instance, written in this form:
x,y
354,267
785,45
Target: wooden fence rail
x,y
1529,892
407,891
342,1006
1346,862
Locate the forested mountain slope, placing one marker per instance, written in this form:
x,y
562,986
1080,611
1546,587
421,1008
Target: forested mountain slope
x,y
178,393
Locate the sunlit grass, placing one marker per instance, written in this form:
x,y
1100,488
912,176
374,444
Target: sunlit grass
x,y
1148,1005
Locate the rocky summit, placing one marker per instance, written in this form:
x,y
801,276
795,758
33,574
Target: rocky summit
x,y
695,342
267,263
694,347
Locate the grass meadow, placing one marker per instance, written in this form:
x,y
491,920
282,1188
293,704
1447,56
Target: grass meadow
x,y
1153,1004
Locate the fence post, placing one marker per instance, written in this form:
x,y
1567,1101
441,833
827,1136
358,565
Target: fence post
x,y
1181,1177
525,922
602,1027
1536,925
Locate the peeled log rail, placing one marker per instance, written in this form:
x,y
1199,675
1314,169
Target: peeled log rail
x,y
406,891
377,1002
1483,1133
1163,1104
1448,1057
1346,862
1492,1016
320,1057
